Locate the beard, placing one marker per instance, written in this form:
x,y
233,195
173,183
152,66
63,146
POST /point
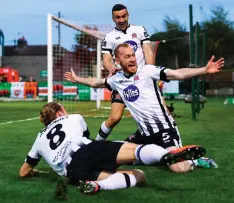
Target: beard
x,y
130,70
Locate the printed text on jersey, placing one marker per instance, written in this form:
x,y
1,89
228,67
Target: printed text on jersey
x,y
131,93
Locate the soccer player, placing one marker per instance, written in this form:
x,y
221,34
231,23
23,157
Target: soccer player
x,y
138,38
140,93
65,145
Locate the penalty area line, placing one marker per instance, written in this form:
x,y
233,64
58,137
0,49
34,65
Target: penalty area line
x,y
18,121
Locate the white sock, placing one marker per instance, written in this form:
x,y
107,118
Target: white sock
x,y
117,181
103,132
150,154
193,162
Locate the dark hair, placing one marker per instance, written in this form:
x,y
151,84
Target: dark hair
x,y
118,7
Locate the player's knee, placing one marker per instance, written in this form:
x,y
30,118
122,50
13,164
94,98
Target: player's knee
x,y
179,168
140,176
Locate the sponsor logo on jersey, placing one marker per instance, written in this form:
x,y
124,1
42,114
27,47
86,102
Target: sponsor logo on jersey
x,y
133,44
62,151
121,81
131,93
117,38
117,96
134,35
131,137
136,77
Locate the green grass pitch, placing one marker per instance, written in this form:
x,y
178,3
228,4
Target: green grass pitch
x,y
214,129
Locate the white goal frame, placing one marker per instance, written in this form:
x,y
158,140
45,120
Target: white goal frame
x,y
97,35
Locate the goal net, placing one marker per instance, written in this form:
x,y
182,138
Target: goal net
x,y
77,46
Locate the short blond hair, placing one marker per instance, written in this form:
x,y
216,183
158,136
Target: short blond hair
x,y
48,112
123,45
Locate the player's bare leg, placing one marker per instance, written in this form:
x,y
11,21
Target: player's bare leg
x,y
117,110
152,154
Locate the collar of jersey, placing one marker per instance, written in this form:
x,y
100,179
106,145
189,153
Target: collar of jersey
x,y
124,31
128,76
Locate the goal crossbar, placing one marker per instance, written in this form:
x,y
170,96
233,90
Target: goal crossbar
x,y
94,33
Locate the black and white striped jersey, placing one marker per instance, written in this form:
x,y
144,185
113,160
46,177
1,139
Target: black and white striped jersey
x,y
142,96
56,142
134,35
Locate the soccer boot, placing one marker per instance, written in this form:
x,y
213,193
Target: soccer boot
x,y
89,187
204,162
190,152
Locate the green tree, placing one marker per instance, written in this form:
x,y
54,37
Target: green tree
x,y
175,49
220,33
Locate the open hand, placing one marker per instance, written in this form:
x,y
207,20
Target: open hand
x,y
70,76
214,66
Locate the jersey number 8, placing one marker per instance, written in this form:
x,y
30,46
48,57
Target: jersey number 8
x,y
56,136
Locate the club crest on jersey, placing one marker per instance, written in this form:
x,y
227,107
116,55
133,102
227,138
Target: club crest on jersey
x,y
136,77
134,35
133,44
131,93
117,96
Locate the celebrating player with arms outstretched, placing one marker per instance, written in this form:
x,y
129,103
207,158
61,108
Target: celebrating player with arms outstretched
x,y
138,38
139,91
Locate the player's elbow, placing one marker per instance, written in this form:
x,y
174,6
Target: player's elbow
x,y
178,76
23,173
93,83
181,77
182,74
175,75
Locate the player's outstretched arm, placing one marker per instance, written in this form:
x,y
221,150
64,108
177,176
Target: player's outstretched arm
x,y
186,73
92,82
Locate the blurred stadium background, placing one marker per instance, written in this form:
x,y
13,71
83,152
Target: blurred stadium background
x,y
24,89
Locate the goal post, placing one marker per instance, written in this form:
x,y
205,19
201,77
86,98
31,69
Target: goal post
x,y
77,46
99,58
49,58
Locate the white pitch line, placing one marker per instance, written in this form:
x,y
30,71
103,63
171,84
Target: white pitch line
x,y
18,121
